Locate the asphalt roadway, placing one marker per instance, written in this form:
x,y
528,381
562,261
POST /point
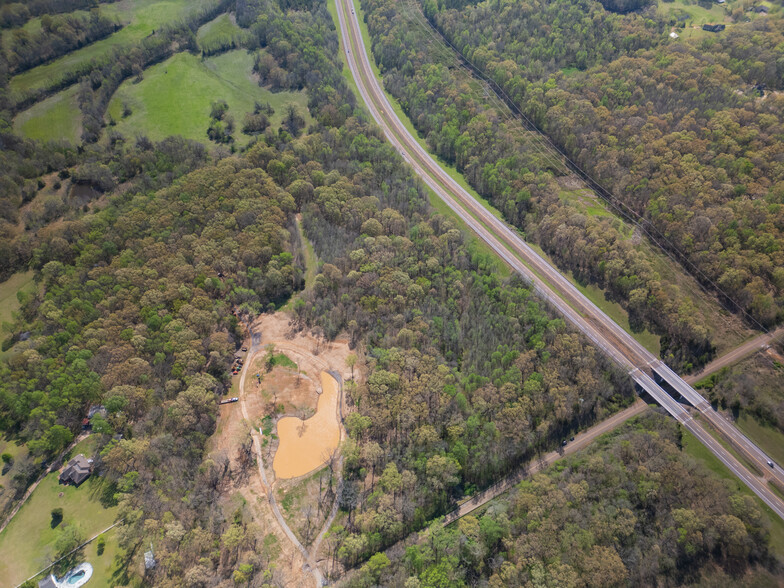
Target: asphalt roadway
x,y
546,280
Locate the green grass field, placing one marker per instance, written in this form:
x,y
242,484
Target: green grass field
x,y
55,118
309,255
770,440
17,451
174,97
220,28
696,14
9,304
31,27
27,543
702,454
616,312
140,18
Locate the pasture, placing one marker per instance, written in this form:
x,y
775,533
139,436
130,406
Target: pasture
x,y
139,17
54,118
174,97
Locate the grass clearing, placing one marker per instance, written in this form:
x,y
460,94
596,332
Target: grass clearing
x,y
215,30
9,303
770,440
27,543
309,256
694,13
52,119
175,96
140,17
588,203
17,451
693,447
617,313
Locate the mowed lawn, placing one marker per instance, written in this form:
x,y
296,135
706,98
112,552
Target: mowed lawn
x,y
175,96
55,118
27,543
140,17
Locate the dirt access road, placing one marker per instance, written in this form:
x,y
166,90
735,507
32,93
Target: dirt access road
x,y
326,357
581,441
741,352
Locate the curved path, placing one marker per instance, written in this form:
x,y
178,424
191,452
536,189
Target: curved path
x,y
309,556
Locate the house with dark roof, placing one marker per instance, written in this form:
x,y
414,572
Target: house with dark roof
x,y
761,9
713,28
77,471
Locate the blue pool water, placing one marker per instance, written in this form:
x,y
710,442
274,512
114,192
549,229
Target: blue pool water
x,y
75,578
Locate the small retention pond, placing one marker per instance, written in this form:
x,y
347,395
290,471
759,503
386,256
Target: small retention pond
x,y
306,445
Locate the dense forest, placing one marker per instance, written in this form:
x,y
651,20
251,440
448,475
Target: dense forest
x,y
674,131
506,163
147,284
630,511
134,314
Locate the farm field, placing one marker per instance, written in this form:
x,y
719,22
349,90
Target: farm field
x,y
54,118
174,97
140,18
27,543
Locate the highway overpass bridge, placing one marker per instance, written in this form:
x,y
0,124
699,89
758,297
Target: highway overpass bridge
x,y
548,282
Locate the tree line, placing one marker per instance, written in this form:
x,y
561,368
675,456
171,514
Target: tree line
x,y
16,14
58,35
633,510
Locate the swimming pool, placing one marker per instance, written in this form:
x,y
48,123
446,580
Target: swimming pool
x,y
75,577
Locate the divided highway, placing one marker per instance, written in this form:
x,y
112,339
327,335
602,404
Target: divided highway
x,y
548,283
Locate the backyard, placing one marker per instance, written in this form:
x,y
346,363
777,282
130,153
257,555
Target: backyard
x,y
29,541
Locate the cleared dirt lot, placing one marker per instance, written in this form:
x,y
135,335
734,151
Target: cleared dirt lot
x,y
290,389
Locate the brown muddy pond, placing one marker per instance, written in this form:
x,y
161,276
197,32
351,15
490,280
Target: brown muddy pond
x,y
306,445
